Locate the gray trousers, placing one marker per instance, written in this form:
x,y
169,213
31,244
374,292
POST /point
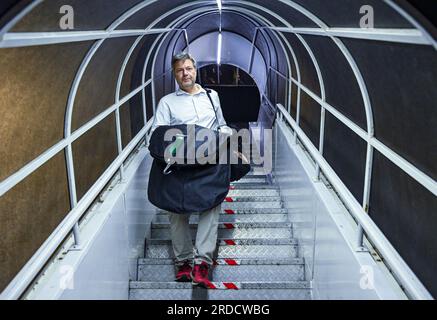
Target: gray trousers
x,y
206,236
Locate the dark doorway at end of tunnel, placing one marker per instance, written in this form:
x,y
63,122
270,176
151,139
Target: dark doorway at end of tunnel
x,y
239,95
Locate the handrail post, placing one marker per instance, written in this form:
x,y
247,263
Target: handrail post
x,y
77,240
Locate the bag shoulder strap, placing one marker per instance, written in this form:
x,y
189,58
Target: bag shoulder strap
x,y
208,93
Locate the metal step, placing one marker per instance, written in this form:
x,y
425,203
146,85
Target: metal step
x,y
256,180
252,205
240,211
253,193
239,230
258,170
236,225
291,290
252,199
224,217
264,251
233,242
228,270
249,186
256,256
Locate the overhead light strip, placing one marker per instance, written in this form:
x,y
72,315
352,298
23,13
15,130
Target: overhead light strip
x,y
219,48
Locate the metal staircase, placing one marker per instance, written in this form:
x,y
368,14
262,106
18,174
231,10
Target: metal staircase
x,y
256,258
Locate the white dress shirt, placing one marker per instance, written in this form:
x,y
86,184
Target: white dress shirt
x,y
180,107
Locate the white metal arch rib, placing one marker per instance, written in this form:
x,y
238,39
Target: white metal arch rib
x,y
320,78
202,12
76,83
349,58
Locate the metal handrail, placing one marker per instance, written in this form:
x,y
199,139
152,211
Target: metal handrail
x,y
402,272
34,266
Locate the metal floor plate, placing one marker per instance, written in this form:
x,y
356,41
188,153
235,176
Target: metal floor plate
x,y
256,256
203,294
251,205
229,273
250,180
252,199
229,218
246,186
247,210
232,252
238,233
291,290
253,193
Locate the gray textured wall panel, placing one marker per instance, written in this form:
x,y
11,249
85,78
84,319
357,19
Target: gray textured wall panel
x,y
310,118
342,90
96,91
148,14
406,214
29,213
33,95
401,80
88,15
341,13
93,153
306,66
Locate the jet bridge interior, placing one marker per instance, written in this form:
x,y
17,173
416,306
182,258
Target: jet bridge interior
x,y
347,90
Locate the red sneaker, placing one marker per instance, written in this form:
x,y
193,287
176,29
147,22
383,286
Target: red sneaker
x,y
200,275
184,272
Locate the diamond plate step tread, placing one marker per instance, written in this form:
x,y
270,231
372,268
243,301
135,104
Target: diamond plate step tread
x,y
252,199
229,273
256,255
239,262
230,226
219,285
259,170
230,218
251,180
246,186
236,233
232,252
253,205
253,193
233,242
240,211
204,294
250,175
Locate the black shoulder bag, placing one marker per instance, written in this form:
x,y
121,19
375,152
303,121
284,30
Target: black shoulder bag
x,y
184,187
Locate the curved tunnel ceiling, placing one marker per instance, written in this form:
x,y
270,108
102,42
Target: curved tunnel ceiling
x,y
376,88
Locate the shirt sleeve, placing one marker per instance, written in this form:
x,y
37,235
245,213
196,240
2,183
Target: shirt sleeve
x,y
162,115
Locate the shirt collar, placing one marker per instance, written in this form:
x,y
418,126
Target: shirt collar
x,y
181,92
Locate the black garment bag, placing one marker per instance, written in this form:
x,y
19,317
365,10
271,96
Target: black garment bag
x,y
186,185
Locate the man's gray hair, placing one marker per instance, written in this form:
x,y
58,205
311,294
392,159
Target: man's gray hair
x,y
182,56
